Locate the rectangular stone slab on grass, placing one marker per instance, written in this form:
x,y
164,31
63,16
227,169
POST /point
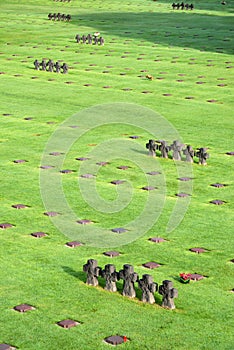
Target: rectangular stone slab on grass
x,y
157,239
151,265
67,323
111,253
119,230
114,340
117,182
38,234
4,346
73,244
84,222
5,225
23,308
196,277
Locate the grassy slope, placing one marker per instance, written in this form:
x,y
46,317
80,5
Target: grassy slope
x,y
44,272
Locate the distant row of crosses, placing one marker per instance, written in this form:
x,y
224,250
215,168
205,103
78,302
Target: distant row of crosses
x,y
129,277
177,148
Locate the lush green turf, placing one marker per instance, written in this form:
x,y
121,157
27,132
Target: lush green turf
x,y
141,37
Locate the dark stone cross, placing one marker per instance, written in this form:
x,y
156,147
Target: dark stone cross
x,y
168,293
202,155
164,148
111,277
93,271
129,277
37,64
176,147
152,146
148,288
189,153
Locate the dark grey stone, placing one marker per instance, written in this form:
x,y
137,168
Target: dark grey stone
x,y
111,277
148,288
92,271
129,277
168,293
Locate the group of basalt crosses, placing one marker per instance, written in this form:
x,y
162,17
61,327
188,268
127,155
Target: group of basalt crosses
x,y
50,66
182,6
129,277
177,149
90,39
59,17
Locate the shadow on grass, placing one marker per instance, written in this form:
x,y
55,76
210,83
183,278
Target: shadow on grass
x,y
138,151
82,277
188,29
77,274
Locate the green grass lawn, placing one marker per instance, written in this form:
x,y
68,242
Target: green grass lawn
x,y
107,96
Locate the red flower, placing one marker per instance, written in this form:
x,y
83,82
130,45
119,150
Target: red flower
x,y
185,276
125,338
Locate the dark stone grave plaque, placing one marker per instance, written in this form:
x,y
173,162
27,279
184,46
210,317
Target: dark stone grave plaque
x,y
217,202
4,346
151,265
148,188
182,195
84,222
38,234
117,182
154,173
87,176
111,253
20,161
119,230
51,213
114,340
196,277
157,239
46,166
123,167
23,308
66,171
82,159
102,163
184,178
74,244
5,225
55,153
19,206
218,185
67,323
198,250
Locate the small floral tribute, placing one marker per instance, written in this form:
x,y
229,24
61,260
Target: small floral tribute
x,y
185,277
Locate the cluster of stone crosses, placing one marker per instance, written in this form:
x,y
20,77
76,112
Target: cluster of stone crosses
x,y
90,39
182,6
177,149
129,277
59,17
50,66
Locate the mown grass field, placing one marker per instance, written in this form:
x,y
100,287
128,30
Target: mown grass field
x,y
190,56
